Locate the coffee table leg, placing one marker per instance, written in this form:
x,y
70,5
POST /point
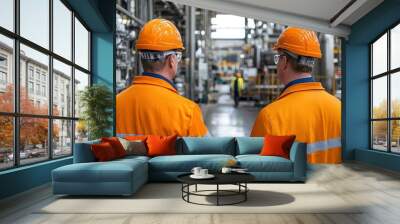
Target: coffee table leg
x,y
217,194
196,188
245,193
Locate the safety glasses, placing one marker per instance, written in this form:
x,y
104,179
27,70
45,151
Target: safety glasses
x,y
277,57
177,53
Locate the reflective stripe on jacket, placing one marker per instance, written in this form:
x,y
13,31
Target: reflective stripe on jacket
x,y
309,112
153,106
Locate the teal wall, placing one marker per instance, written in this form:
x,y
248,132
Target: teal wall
x,y
99,16
24,178
356,99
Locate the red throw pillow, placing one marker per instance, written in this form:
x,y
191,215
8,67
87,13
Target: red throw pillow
x,y
277,145
136,138
116,145
103,152
161,145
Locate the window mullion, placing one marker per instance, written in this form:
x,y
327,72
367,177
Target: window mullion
x,y
389,106
50,81
16,85
73,82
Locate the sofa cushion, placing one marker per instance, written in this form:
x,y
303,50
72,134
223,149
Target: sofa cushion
x,y
137,148
103,152
116,145
207,145
112,171
185,163
277,145
161,145
257,163
249,145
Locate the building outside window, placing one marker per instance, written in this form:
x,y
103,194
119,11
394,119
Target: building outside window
x,y
43,90
3,61
38,89
43,77
30,87
385,97
55,140
3,71
30,72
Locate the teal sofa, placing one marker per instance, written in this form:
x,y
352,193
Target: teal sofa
x,y
125,176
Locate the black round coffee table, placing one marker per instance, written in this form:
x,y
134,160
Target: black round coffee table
x,y
238,179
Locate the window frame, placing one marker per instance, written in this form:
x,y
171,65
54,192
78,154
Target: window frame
x,y
388,74
16,114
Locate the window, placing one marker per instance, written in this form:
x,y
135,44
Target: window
x,y
7,14
38,89
62,29
62,137
44,91
3,61
46,131
6,73
30,87
385,97
81,45
3,78
6,142
30,72
81,81
62,75
34,21
37,74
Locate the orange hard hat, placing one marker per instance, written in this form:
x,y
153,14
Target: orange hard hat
x,y
159,35
299,41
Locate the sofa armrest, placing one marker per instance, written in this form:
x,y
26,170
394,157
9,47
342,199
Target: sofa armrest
x,y
298,155
83,152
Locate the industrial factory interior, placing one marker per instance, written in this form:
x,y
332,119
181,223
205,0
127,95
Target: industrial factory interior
x,y
199,111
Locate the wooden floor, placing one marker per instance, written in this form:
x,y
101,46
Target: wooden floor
x,y
377,188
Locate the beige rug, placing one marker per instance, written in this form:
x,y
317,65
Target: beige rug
x,y
166,198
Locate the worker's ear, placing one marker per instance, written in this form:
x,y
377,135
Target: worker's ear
x,y
285,62
171,60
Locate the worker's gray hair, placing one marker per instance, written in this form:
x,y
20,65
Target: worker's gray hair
x,y
301,63
152,60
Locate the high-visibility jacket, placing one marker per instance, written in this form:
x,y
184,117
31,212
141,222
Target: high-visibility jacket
x,y
309,112
152,106
240,85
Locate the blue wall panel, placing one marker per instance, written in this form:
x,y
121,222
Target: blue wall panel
x,y
356,99
24,178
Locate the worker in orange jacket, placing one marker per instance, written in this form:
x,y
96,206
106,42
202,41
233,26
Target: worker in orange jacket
x,y
152,104
303,108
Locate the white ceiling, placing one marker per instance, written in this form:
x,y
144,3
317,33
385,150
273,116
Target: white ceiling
x,y
313,14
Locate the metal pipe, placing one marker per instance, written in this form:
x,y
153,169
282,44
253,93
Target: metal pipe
x,y
127,13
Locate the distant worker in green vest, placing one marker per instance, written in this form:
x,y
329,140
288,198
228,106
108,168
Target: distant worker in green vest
x,y
237,87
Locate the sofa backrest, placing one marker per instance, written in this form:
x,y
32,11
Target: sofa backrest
x,y
206,145
249,145
83,153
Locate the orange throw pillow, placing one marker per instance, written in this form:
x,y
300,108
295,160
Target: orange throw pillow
x,y
161,145
116,145
103,152
277,145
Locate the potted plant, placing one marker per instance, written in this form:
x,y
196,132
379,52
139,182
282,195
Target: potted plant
x,y
96,102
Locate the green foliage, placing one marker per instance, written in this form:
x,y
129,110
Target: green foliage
x,y
97,102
